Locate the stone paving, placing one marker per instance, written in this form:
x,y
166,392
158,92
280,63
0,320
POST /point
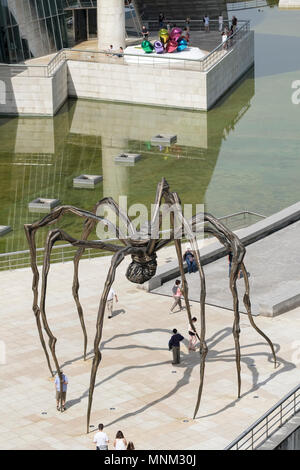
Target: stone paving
x,y
273,264
137,388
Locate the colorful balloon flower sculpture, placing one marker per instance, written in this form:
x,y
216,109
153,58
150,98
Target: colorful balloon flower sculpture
x,y
168,42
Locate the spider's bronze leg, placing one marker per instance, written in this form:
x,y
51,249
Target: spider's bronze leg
x,y
247,304
30,231
173,198
185,287
236,324
116,260
75,290
161,188
231,246
52,237
30,234
238,251
88,228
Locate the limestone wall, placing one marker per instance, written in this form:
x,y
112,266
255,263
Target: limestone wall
x,y
60,87
137,84
226,72
289,4
27,94
115,81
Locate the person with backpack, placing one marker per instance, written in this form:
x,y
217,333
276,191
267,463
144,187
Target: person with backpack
x,y
177,294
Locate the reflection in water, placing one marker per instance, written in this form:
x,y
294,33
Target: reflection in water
x,y
39,157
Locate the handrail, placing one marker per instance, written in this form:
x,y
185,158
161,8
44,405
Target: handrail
x,y
234,445
6,261
61,56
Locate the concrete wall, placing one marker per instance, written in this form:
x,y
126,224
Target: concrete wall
x,y
116,81
226,72
289,4
60,87
137,84
32,95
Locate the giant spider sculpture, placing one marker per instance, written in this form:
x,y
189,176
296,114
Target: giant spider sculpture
x,y
141,269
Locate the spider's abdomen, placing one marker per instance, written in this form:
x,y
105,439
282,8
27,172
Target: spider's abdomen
x,y
141,269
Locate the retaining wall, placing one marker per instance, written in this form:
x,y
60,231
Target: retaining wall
x,y
130,83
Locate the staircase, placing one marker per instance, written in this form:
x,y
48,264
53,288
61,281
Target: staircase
x,y
179,10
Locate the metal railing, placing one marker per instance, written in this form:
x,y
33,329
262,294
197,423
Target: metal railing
x,y
194,25
66,252
269,423
60,254
158,60
153,60
234,6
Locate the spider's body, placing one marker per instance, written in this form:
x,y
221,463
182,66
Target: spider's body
x,y
142,268
143,248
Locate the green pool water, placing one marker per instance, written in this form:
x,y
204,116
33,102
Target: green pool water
x,y
243,154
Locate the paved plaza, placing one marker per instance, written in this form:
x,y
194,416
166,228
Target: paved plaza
x,y
273,265
137,388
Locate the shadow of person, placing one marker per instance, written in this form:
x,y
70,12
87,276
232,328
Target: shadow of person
x,y
187,364
115,313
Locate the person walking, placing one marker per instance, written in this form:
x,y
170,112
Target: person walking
x,y
61,396
187,24
206,23
120,442
190,261
174,346
110,302
220,22
101,439
193,336
224,40
177,293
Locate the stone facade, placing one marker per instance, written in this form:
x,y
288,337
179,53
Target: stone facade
x,y
130,83
33,95
289,4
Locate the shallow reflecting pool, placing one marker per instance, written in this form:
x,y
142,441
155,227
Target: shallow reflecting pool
x,y
243,154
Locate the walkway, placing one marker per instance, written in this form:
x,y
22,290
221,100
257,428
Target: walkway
x,y
273,263
138,390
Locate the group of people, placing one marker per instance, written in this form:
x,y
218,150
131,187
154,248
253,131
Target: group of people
x,y
176,338
226,32
120,443
112,52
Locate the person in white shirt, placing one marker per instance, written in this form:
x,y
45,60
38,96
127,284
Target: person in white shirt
x,y
224,40
220,23
110,302
120,442
101,439
206,23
